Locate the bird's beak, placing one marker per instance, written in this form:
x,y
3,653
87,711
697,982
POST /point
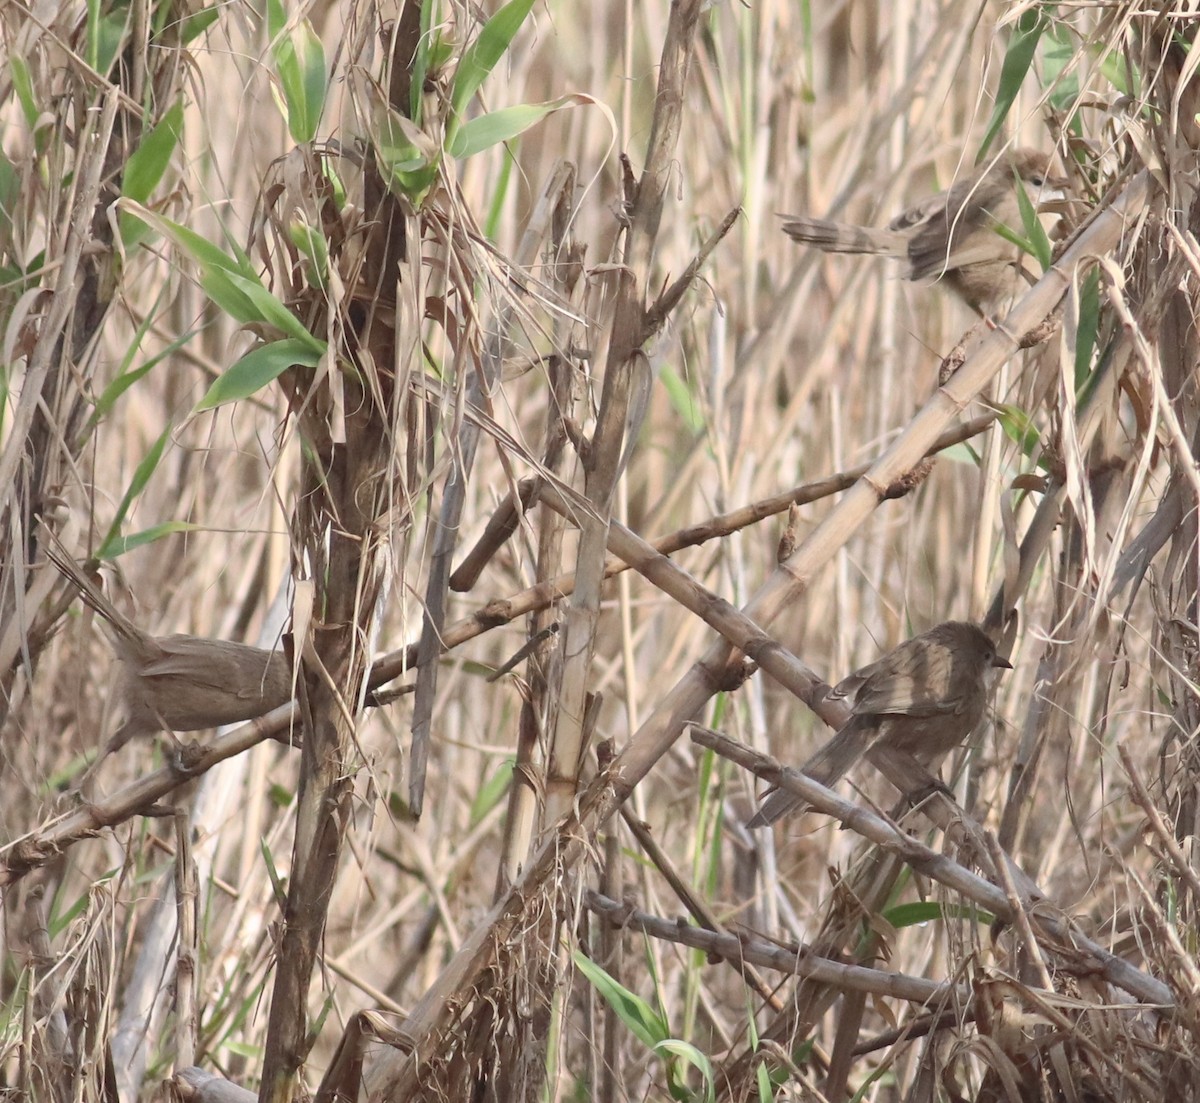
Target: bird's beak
x,y
1001,662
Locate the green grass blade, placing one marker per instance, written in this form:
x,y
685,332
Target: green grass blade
x,y
1031,25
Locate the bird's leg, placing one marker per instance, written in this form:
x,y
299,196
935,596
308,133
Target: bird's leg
x,y
928,785
933,788
184,758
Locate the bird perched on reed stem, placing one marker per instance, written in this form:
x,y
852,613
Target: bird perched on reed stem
x,y
181,683
924,697
951,238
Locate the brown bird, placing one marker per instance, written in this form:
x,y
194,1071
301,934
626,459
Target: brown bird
x,y
924,697
181,683
951,237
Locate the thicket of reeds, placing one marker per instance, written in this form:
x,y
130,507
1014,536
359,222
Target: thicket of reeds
x,y
407,339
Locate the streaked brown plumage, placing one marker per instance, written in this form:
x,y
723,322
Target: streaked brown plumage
x,y
924,697
182,683
951,238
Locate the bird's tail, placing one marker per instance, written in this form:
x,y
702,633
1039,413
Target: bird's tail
x,y
829,764
92,595
840,237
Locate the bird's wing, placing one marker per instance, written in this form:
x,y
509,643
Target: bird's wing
x,y
968,195
909,681
176,665
956,227
920,213
217,665
929,256
852,683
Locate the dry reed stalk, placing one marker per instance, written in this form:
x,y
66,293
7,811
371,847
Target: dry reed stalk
x,y
775,367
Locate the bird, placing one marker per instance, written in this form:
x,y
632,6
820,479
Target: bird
x,y
180,683
923,697
951,238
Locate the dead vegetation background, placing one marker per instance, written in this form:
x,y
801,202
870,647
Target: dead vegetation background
x,y
282,918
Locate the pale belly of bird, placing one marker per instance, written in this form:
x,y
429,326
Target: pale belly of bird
x,y
988,285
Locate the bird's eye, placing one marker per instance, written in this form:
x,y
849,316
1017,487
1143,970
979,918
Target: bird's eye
x,y
1037,180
